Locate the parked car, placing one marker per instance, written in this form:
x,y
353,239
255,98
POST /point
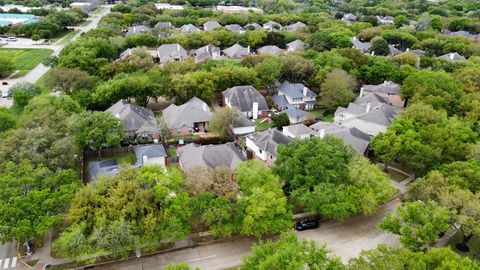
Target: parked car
x,y
4,83
11,39
5,94
306,224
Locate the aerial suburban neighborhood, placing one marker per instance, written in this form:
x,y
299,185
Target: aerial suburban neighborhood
x,y
222,135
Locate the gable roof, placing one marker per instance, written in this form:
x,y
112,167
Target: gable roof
x,y
188,28
387,87
361,46
234,28
382,115
270,49
272,25
295,26
210,25
243,121
193,111
453,57
373,98
193,155
352,136
252,26
171,51
150,151
236,51
299,129
134,116
206,52
394,51
269,140
242,97
294,112
296,45
295,90
163,25
137,29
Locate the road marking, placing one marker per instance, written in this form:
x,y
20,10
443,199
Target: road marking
x,y
6,263
204,258
14,262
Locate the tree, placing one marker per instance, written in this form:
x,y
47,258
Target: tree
x,y
22,93
389,258
418,224
379,69
95,130
387,148
297,68
6,67
33,199
400,20
401,38
337,89
380,46
7,120
290,253
35,38
223,120
69,80
219,181
470,78
280,120
178,266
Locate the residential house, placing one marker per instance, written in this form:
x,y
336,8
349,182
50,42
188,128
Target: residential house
x,y
206,52
296,45
264,144
349,18
188,28
131,51
247,100
235,28
108,167
461,33
242,126
270,50
295,26
193,116
162,25
138,29
238,9
171,52
394,51
294,95
211,25
363,47
367,118
162,6
295,115
212,156
385,19
388,89
150,154
351,136
416,52
252,26
271,26
137,119
236,51
299,131
452,57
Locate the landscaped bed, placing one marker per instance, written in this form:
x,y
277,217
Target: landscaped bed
x,y
25,60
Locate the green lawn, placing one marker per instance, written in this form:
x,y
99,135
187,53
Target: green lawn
x,y
473,244
173,151
41,83
320,114
25,60
262,124
67,37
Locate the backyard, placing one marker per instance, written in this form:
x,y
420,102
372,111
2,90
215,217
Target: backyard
x,y
25,60
473,244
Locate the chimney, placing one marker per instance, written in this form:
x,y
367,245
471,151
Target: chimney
x,y
208,48
368,107
322,133
144,159
373,53
117,115
452,56
178,47
248,48
205,107
407,50
305,91
255,110
361,91
354,38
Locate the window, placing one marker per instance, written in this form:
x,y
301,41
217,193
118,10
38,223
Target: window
x,y
260,151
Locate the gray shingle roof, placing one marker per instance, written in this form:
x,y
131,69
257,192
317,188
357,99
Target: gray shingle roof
x,y
211,25
295,26
394,51
294,90
387,87
294,112
361,46
193,111
243,121
243,97
354,137
192,155
280,101
382,115
299,129
272,25
453,57
206,52
252,26
188,28
236,51
135,117
167,52
270,49
416,52
269,140
234,28
150,151
163,25
373,98
138,29
296,45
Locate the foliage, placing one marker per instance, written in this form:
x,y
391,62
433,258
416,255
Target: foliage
x,y
337,89
223,120
22,93
69,80
380,46
6,67
7,120
280,120
220,182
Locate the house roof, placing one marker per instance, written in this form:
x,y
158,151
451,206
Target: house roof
x,y
193,111
269,140
452,57
296,45
210,25
134,116
206,52
234,28
295,26
188,28
461,33
350,17
382,115
294,112
272,24
102,167
163,25
193,155
352,136
236,51
387,87
280,101
373,98
150,151
299,129
243,121
252,26
361,46
170,51
242,97
137,29
394,51
270,49
295,90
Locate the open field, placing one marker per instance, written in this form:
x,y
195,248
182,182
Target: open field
x,y
25,60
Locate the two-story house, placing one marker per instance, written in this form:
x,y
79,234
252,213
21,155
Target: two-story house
x,y
294,95
247,100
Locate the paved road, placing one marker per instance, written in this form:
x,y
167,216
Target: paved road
x,y
346,239
8,256
40,69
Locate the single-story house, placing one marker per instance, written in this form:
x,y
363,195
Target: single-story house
x,y
296,45
188,28
211,25
270,50
151,154
193,116
212,156
272,26
295,26
295,115
164,25
247,100
137,119
236,51
264,144
299,131
235,28
171,52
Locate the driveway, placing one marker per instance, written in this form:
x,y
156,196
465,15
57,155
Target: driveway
x,y
345,238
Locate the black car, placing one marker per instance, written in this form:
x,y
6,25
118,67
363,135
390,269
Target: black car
x,y
306,224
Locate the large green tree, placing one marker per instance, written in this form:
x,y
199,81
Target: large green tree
x,y
337,89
